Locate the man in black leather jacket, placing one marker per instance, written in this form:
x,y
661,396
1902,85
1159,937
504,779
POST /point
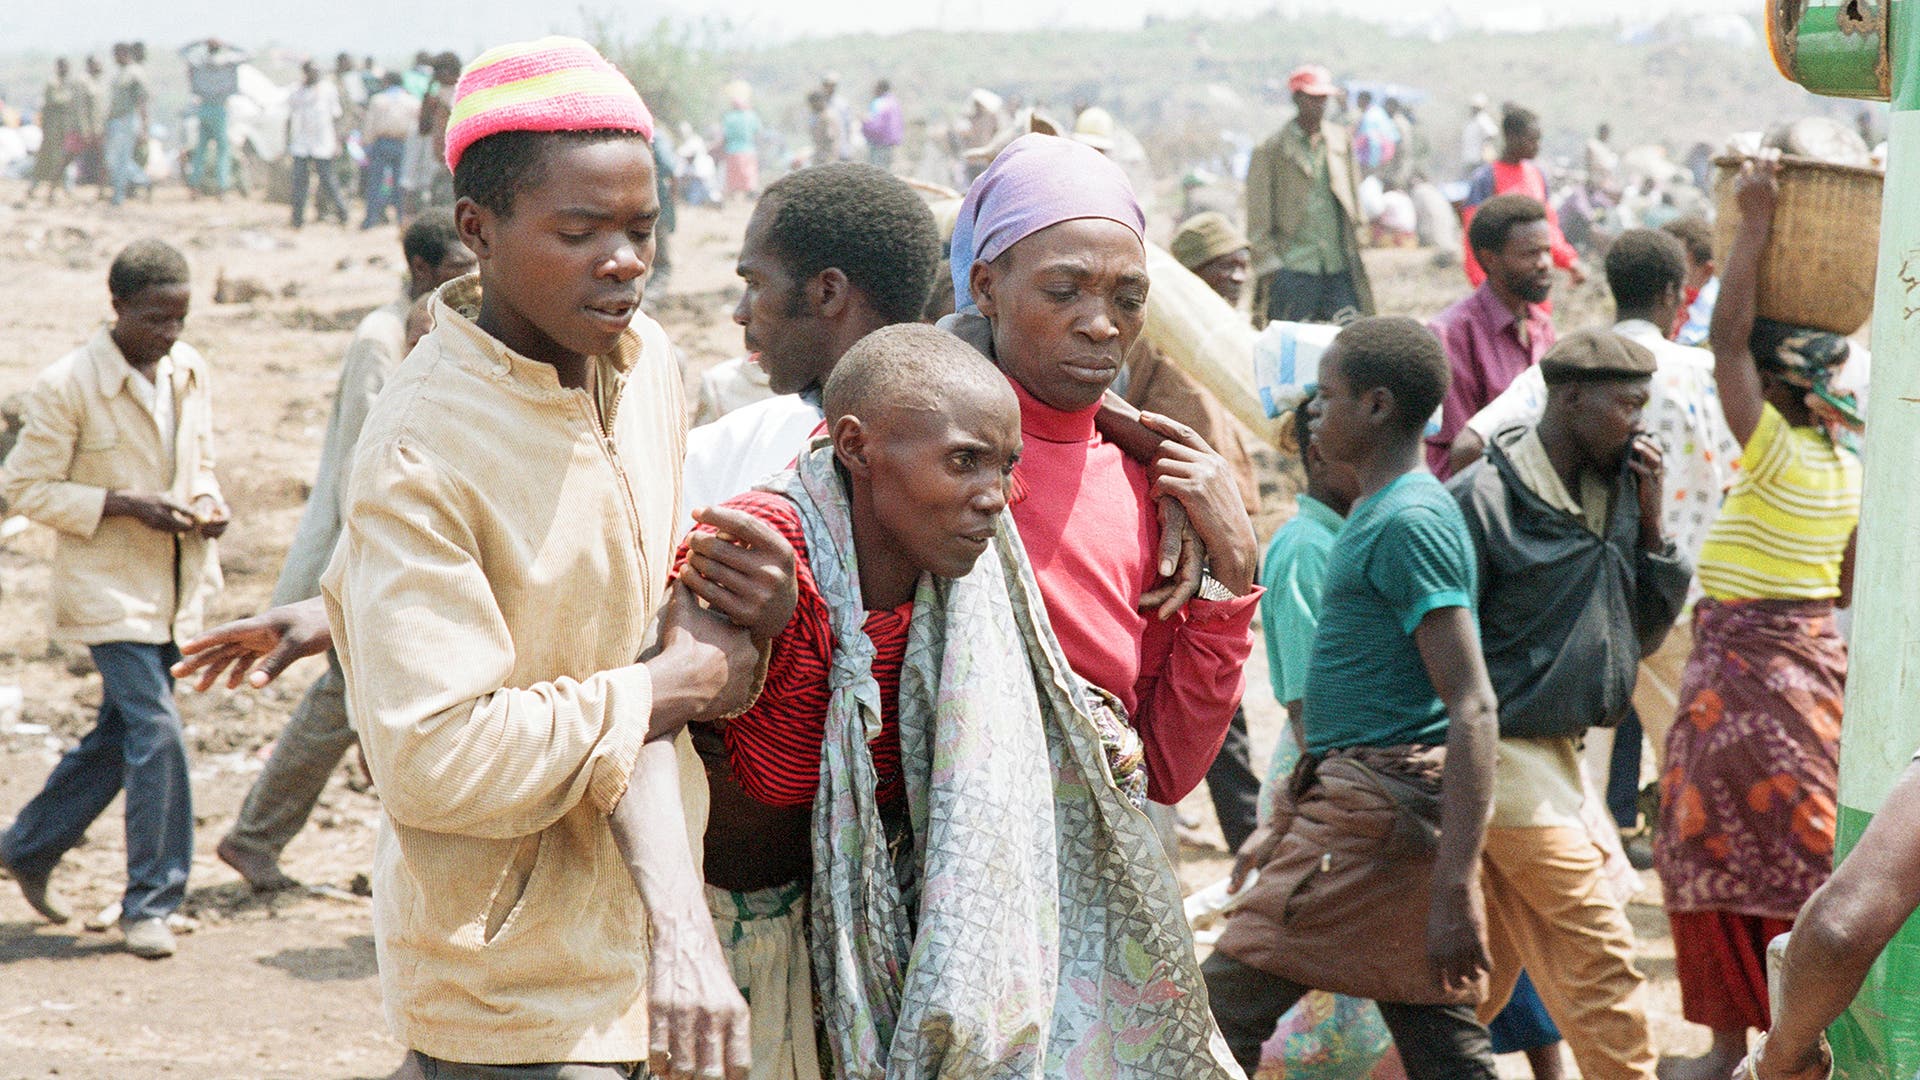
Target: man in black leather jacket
x,y
1577,584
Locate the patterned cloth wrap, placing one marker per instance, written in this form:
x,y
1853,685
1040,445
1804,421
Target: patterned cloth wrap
x,y
1049,938
1748,800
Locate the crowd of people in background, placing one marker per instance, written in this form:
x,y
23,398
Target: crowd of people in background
x,y
1512,535
348,129
354,130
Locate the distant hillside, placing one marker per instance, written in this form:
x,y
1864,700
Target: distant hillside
x,y
1177,84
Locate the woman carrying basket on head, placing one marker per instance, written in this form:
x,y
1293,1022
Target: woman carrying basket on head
x,y
1748,798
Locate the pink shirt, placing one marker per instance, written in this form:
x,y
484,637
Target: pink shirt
x,y
1092,535
1485,353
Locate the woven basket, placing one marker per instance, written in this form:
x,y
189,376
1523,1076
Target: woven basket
x,y
1819,264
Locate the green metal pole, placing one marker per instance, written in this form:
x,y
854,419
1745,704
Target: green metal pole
x,y
1879,1037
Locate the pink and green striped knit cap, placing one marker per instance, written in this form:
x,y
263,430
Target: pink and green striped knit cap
x,y
553,84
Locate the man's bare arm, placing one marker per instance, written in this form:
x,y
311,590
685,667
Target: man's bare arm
x,y
1840,933
1449,648
697,1017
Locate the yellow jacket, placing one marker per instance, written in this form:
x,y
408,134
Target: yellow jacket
x,y
86,434
503,555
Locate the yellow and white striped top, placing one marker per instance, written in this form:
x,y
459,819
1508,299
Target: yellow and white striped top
x,y
1784,528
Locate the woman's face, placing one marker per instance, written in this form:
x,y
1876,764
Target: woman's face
x,y
1066,304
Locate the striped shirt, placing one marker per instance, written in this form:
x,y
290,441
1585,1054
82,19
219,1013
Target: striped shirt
x,y
774,747
1784,528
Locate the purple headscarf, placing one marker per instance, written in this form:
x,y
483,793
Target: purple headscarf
x,y
1037,181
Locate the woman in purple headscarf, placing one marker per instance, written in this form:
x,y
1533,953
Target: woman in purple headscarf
x,y
1049,249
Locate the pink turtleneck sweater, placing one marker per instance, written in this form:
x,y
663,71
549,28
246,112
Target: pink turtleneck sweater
x,y
1092,534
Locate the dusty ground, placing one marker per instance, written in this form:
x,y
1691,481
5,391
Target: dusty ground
x,y
286,987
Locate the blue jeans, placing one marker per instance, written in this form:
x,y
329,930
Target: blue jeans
x,y
123,135
213,144
135,744
385,158
1623,772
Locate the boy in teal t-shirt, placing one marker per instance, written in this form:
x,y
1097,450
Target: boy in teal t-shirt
x,y
1395,675
1405,552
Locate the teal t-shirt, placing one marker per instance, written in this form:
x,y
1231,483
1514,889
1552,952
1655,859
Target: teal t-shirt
x,y
1293,573
739,130
1404,551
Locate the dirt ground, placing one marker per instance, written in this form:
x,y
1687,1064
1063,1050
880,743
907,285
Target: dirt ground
x,y
286,986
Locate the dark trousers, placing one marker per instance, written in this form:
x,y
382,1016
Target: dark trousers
x,y
135,744
329,198
1232,784
1437,1042
304,757
385,159
1313,298
1623,772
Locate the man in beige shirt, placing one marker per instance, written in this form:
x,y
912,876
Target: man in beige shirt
x,y
117,456
509,524
316,737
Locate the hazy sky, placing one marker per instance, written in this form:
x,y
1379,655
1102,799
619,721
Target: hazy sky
x,y
361,25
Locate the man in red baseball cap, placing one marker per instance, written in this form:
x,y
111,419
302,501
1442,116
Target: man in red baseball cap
x,y
1303,203
1312,80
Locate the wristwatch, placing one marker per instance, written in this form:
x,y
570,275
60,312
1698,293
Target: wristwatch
x,y
1212,589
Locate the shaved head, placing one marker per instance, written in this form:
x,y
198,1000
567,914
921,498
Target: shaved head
x,y
928,433
911,366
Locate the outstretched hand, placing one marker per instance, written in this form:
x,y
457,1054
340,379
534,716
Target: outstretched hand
x,y
256,649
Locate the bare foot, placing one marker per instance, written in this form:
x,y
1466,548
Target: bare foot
x,y
1712,1065
261,871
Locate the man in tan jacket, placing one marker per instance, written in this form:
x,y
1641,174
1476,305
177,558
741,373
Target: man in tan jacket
x,y
117,456
1303,204
509,522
